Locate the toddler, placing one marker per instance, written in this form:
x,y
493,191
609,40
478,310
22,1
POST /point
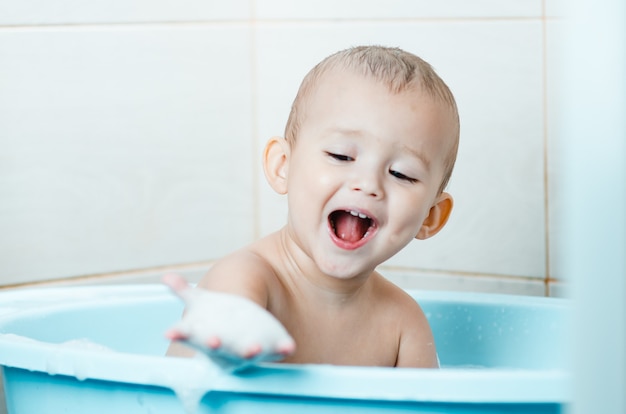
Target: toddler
x,y
369,147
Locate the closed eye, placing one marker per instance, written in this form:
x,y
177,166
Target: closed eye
x,y
339,157
402,177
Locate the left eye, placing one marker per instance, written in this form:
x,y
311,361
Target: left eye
x,y
339,157
402,177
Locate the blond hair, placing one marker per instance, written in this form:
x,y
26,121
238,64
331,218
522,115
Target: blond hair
x,y
394,67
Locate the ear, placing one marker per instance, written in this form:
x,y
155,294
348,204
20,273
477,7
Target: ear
x,y
437,217
276,163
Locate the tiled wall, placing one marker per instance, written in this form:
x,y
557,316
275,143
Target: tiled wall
x,y
131,132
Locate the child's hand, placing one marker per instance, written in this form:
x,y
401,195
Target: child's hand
x,y
231,330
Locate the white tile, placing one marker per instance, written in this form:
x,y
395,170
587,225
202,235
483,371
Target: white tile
x,y
36,12
498,226
400,9
555,8
495,71
424,280
122,149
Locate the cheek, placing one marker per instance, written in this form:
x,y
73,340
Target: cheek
x,y
309,192
324,179
410,212
306,185
313,176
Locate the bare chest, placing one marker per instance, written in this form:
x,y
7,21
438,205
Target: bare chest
x,y
348,338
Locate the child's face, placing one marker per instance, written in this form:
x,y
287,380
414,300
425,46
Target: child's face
x,y
364,172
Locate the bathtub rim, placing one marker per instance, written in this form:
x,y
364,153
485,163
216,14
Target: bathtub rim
x,y
492,385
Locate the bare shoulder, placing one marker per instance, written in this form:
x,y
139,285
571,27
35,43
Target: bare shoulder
x,y
246,272
416,342
397,300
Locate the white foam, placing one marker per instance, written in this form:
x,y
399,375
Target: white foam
x,y
58,361
18,338
238,322
194,382
85,344
189,384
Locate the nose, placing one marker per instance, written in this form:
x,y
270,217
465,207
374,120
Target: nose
x,y
369,183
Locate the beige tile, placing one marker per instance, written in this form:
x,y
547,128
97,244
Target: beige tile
x,y
400,9
123,149
495,71
41,12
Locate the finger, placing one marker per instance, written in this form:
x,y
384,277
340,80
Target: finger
x,y
287,348
176,335
214,342
252,351
176,283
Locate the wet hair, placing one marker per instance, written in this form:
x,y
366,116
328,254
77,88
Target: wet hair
x,y
399,70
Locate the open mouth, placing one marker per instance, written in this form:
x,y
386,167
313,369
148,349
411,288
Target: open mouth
x,y
351,226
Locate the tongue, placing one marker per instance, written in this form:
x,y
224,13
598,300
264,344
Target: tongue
x,y
350,228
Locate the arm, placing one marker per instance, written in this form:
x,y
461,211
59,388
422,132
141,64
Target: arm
x,y
226,316
417,345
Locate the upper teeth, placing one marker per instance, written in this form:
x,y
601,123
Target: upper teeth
x,y
356,213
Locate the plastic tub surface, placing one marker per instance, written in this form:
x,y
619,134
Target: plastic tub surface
x,y
99,350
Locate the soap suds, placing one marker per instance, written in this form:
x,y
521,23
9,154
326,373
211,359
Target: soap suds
x,y
198,380
246,332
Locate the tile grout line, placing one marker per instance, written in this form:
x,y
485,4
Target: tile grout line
x,y
546,187
285,21
254,136
143,272
458,273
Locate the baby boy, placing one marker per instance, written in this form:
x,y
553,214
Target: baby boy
x,y
369,148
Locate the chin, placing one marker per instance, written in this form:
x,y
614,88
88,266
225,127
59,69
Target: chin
x,y
344,272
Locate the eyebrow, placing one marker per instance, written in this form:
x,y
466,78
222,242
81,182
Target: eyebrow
x,y
344,131
417,154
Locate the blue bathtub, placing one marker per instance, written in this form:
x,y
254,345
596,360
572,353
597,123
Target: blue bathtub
x,y
99,350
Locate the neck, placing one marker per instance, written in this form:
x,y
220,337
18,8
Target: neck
x,y
303,274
